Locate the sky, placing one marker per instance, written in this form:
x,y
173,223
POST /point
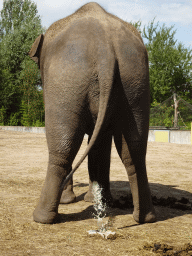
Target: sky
x,y
170,12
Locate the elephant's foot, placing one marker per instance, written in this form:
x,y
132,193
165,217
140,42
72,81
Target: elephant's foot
x,y
42,216
89,197
67,197
144,218
106,198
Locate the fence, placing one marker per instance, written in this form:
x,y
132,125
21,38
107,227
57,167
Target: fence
x,y
171,136
158,135
23,129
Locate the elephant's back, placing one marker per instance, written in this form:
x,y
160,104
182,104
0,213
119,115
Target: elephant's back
x,y
86,12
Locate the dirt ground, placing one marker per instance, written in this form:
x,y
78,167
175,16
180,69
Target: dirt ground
x,y
23,164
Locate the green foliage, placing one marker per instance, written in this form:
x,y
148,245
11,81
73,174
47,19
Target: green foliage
x,y
20,25
188,126
2,115
162,114
24,114
184,114
8,93
164,118
137,25
39,124
14,119
170,64
170,71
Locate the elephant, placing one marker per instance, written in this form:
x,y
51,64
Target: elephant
x,y
95,76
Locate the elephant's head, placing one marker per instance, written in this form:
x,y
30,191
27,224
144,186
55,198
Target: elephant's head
x,y
35,51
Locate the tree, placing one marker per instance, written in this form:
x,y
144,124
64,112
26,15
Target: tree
x,y
137,25
20,24
17,14
170,64
32,107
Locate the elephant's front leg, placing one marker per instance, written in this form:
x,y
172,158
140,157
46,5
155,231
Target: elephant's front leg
x,y
98,166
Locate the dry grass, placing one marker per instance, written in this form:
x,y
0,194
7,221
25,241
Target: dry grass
x,y
23,166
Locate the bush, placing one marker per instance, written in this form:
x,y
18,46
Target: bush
x,y
2,115
14,119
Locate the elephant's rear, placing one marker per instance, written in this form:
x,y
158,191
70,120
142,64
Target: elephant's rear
x,y
98,67
133,87
93,49
99,70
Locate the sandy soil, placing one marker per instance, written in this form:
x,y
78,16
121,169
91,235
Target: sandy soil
x,y
23,163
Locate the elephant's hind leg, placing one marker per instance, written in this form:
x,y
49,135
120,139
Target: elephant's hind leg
x,y
68,196
98,166
136,170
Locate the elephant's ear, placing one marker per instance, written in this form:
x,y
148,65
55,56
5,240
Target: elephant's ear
x,y
36,49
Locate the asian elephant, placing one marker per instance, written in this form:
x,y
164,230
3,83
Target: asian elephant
x,y
94,70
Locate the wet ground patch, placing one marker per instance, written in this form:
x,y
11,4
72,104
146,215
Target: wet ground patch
x,y
165,249
182,204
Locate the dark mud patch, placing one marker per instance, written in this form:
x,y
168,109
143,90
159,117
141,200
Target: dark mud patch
x,y
165,249
183,204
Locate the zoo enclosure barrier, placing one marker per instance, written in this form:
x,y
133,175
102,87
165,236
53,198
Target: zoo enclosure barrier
x,y
162,134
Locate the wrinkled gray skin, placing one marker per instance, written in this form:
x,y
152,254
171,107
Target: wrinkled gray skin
x,y
94,69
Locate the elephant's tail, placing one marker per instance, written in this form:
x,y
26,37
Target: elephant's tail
x,y
106,71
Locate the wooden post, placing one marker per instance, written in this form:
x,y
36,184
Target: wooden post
x,y
176,108
191,133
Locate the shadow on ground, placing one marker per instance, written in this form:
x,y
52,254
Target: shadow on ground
x,y
164,197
